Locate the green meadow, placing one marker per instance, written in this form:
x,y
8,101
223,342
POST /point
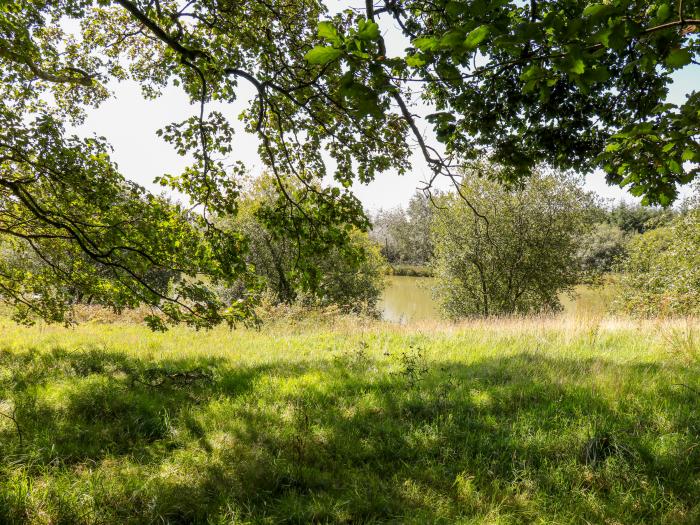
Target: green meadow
x,y
346,420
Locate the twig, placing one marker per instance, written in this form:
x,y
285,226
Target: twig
x,y
12,418
688,387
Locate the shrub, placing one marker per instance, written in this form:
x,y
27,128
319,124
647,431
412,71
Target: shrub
x,y
635,218
661,275
349,275
520,256
602,248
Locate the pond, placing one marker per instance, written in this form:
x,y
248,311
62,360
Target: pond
x,y
408,299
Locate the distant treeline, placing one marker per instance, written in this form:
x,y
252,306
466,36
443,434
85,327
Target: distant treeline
x,y
496,249
526,246
403,234
405,241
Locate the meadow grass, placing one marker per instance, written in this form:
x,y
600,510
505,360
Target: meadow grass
x,y
549,420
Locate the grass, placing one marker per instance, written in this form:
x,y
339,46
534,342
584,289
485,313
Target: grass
x,y
590,301
411,270
510,421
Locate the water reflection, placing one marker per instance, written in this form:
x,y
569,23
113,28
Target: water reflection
x,y
408,299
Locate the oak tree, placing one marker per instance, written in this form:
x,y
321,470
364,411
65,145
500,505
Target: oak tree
x,y
570,83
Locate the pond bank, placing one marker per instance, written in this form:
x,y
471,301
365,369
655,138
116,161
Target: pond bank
x,y
410,299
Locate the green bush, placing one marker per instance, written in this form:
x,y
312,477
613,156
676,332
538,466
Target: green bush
x,y
602,248
348,274
635,218
351,277
661,275
519,256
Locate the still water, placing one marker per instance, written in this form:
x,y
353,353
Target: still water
x,y
408,299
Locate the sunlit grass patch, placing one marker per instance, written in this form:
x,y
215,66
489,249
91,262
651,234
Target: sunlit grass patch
x,y
502,421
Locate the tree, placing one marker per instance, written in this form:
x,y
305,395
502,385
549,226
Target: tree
x,y
404,235
602,248
348,274
576,84
80,229
389,229
558,81
633,218
520,256
420,217
661,275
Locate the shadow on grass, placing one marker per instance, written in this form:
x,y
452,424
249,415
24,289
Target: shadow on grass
x,y
353,438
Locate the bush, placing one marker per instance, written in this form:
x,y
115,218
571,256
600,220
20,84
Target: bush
x,y
520,256
348,274
634,218
351,277
602,248
661,275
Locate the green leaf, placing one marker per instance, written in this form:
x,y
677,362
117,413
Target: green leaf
x,y
415,61
573,65
360,54
476,36
426,43
665,199
530,86
594,9
321,55
327,31
532,72
452,39
678,58
688,155
663,12
370,31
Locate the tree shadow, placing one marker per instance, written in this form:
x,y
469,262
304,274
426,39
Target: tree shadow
x,y
355,438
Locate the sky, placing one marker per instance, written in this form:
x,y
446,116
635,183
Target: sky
x,y
129,123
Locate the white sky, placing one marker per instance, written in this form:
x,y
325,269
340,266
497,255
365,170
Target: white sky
x,y
129,123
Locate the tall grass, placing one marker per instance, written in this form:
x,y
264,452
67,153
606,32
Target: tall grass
x,y
546,420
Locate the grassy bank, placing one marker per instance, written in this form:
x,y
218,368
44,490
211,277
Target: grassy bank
x,y
513,421
411,270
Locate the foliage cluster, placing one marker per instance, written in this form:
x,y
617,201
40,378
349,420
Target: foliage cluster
x,y
605,246
633,218
515,251
661,275
347,273
601,248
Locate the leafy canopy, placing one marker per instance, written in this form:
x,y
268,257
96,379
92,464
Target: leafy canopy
x,y
565,82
